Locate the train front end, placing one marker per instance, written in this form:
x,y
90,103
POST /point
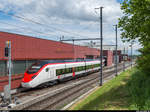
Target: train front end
x,y
30,76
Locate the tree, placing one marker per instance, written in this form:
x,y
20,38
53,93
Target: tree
x,y
135,24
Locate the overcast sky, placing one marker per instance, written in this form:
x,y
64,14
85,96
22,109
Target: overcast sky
x,y
56,18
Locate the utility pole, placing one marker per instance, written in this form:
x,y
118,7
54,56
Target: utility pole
x,y
74,50
124,60
101,46
116,61
127,53
131,54
62,39
10,69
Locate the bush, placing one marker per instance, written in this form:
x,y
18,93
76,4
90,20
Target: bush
x,y
144,60
139,90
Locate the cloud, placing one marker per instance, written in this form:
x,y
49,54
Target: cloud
x,y
71,18
74,10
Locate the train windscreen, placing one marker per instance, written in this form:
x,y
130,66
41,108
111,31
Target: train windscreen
x,y
34,68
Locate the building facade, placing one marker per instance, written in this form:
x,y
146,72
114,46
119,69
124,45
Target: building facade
x,y
26,50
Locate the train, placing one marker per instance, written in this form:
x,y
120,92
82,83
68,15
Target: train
x,y
48,71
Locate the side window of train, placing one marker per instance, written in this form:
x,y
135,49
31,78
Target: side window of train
x,y
84,67
47,69
75,69
67,70
97,65
87,66
58,72
62,71
70,70
78,68
81,68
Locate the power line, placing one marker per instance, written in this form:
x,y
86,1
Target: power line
x,y
24,28
26,19
61,29
81,39
64,30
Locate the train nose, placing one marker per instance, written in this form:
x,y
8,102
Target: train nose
x,y
22,79
26,85
27,77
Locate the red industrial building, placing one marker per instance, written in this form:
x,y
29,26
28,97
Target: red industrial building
x,y
29,48
119,55
109,57
26,50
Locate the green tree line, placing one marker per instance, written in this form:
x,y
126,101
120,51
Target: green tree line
x,y
135,24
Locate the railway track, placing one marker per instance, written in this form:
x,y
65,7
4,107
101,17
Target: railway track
x,y
57,98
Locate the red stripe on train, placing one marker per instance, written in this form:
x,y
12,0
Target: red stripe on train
x,y
58,76
73,74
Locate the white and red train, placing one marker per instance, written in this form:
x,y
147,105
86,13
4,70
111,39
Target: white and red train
x,y
49,71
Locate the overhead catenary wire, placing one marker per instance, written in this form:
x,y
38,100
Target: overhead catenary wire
x,y
63,30
44,25
25,19
25,28
59,28
28,33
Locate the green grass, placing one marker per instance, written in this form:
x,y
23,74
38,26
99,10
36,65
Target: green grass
x,y
113,95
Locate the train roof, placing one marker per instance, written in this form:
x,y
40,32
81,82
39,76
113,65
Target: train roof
x,y
77,60
43,62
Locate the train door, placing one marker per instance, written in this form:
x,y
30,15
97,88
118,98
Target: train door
x,y
51,73
46,74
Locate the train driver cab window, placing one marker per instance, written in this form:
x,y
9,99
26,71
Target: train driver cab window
x,y
34,68
47,69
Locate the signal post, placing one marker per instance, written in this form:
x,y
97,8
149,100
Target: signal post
x,y
8,55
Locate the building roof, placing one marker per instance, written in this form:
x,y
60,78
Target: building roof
x,y
27,47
